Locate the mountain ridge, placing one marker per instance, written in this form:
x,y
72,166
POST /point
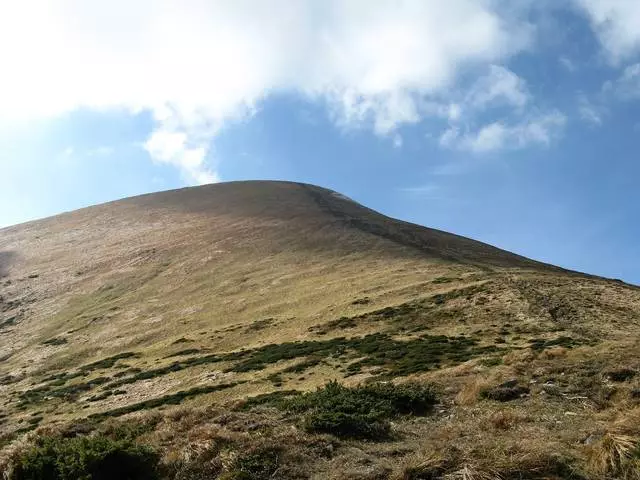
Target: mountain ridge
x,y
213,296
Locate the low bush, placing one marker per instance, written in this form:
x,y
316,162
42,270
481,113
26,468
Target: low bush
x,y
85,458
358,412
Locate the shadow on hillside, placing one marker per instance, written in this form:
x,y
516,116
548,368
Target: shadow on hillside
x,y
6,258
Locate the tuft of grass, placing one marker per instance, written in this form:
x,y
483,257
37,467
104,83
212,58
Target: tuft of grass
x,y
613,455
424,467
505,420
470,392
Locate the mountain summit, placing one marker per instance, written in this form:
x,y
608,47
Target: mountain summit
x,y
212,296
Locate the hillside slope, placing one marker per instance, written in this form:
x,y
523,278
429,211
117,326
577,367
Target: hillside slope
x,y
211,295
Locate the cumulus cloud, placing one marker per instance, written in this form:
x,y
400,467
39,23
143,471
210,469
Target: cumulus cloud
x,y
500,85
517,127
616,24
537,130
199,64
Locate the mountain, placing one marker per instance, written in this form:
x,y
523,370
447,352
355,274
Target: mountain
x,y
233,299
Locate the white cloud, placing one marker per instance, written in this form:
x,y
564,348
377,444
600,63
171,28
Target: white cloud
x,y
198,64
173,148
500,85
515,128
589,113
537,130
449,137
617,24
627,86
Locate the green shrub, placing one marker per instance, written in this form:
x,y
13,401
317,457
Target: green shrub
x,y
341,424
362,411
86,458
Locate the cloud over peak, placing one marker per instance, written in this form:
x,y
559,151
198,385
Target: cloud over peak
x,y
198,64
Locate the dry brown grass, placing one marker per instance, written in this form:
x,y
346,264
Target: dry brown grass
x,y
506,419
422,465
554,353
614,455
469,472
469,394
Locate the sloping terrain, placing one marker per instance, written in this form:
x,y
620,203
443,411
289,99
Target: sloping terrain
x,y
219,297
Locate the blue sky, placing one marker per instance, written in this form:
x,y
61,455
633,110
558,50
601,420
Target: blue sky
x,y
515,123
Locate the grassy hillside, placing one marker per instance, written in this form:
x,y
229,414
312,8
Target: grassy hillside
x,y
197,330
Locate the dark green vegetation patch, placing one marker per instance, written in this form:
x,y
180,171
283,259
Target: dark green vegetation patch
x,y
396,357
417,315
567,342
9,322
173,399
54,342
68,392
108,362
357,412
95,458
